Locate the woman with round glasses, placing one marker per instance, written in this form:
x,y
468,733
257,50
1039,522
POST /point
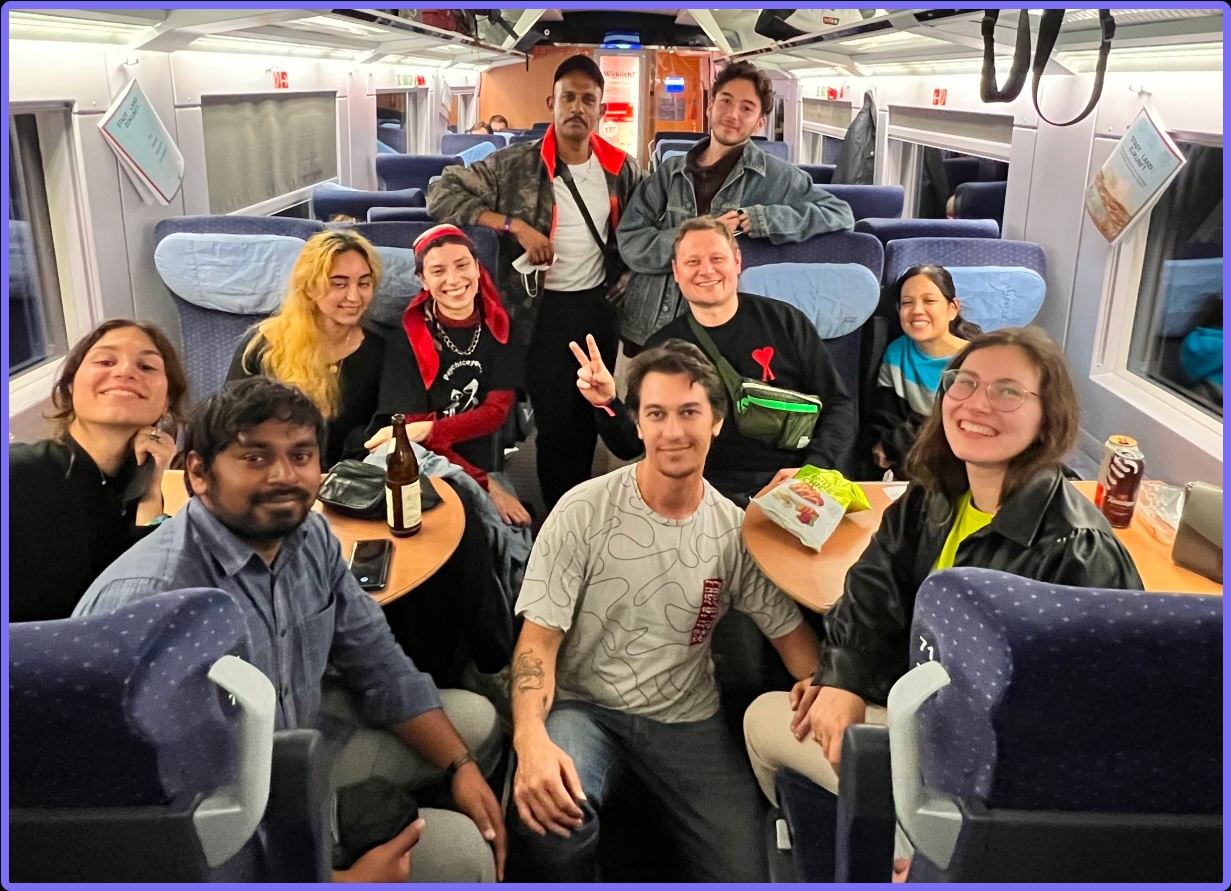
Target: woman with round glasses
x,y
909,376
988,491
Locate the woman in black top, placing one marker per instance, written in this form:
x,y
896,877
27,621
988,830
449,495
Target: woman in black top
x,y
988,491
79,500
316,341
453,372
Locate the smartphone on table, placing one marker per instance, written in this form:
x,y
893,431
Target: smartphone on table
x,y
369,563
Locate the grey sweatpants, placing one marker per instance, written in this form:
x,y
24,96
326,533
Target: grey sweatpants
x,y
451,848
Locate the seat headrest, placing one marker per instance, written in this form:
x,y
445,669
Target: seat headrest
x,y
249,274
837,297
1071,699
117,709
998,296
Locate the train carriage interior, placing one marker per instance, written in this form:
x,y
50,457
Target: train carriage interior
x,y
169,166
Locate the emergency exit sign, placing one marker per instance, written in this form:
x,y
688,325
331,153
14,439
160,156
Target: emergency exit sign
x,y
280,81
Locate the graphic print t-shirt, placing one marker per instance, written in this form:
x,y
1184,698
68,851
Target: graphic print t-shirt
x,y
638,596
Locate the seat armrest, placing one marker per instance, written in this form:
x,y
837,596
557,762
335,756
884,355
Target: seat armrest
x,y
866,818
298,818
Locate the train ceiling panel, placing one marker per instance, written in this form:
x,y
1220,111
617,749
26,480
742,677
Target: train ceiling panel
x,y
795,42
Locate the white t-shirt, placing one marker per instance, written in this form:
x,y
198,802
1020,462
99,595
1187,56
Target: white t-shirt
x,y
579,262
638,595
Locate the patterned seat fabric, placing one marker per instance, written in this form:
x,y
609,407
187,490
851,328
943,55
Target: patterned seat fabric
x,y
455,143
822,174
397,172
327,203
777,148
981,201
833,247
891,229
380,214
902,254
209,336
118,710
871,201
1071,699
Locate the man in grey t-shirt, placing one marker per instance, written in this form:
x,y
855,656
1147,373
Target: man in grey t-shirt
x,y
612,672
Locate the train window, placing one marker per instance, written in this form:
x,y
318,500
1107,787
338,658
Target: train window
x,y
391,121
37,330
300,211
942,171
258,148
1177,329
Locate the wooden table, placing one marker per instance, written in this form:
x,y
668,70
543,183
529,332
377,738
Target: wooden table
x,y
415,559
815,579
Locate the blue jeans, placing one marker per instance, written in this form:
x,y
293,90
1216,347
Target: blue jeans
x,y
694,773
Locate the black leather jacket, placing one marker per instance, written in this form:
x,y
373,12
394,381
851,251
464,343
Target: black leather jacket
x,y
1047,531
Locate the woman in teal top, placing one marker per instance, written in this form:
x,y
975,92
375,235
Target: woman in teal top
x,y
910,370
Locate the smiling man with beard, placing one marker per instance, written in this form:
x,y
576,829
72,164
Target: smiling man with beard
x,y
253,471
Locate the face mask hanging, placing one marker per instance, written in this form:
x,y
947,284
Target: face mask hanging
x,y
1049,30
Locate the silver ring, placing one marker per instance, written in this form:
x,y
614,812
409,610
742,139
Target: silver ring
x,y
156,436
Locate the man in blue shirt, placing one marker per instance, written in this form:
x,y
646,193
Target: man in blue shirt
x,y
253,468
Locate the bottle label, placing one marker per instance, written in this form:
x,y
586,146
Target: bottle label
x,y
411,508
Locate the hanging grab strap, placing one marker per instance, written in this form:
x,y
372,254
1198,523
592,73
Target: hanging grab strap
x,y
988,90
1049,30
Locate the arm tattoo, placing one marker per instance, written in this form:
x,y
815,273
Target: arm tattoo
x,y
527,673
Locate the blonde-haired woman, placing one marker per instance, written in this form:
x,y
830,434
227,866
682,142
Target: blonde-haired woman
x,y
316,340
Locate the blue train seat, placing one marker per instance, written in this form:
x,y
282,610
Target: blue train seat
x,y
411,171
331,200
871,201
176,763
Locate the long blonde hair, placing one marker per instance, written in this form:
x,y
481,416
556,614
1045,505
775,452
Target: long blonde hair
x,y
295,352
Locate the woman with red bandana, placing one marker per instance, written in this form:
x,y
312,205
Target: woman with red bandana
x,y
454,374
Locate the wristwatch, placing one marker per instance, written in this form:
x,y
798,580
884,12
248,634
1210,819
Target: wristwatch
x,y
458,762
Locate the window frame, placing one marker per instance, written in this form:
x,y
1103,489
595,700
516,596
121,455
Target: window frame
x,y
75,255
1117,315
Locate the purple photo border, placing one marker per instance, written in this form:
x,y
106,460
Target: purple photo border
x,y
4,316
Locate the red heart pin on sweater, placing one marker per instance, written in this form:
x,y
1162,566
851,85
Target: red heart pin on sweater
x,y
763,357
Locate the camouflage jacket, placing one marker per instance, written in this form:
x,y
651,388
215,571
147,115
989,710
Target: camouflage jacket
x,y
518,181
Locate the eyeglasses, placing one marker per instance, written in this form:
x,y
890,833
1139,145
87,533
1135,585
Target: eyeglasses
x,y
1002,395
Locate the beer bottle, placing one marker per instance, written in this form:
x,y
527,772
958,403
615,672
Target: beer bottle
x,y
402,505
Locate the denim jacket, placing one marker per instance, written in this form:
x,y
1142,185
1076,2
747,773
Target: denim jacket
x,y
781,201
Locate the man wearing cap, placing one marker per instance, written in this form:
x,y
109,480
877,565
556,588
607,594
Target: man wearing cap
x,y
544,198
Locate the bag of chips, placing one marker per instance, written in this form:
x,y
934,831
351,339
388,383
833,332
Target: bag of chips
x,y
811,504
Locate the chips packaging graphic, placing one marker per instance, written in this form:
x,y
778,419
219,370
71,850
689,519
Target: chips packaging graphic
x,y
811,504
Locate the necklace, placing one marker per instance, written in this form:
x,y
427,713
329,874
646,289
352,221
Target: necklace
x,y
334,366
440,330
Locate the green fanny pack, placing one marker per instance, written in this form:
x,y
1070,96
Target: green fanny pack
x,y
773,415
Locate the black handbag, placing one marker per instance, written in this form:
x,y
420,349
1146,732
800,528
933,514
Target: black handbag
x,y
357,489
369,814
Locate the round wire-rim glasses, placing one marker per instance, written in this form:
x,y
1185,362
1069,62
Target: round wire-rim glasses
x,y
1003,396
